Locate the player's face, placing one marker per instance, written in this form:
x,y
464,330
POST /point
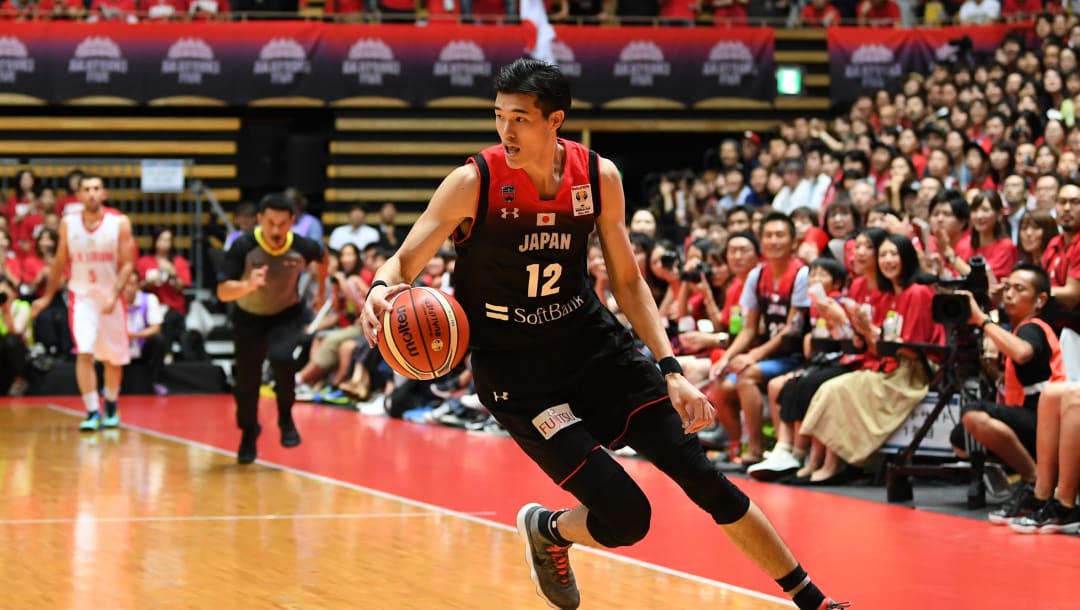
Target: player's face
x,y
275,226
525,133
92,194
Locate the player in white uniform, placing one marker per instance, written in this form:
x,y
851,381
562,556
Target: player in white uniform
x,y
99,245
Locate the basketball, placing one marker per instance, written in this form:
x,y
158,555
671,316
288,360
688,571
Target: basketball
x,y
424,333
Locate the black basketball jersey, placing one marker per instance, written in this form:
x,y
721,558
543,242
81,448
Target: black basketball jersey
x,y
521,272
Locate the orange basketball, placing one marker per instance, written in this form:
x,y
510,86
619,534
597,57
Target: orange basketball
x,y
424,333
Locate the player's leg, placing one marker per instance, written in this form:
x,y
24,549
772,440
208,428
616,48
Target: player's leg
x,y
656,433
113,350
748,386
83,317
283,338
249,341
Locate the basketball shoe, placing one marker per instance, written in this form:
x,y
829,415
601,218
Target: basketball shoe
x,y
1052,518
92,422
549,565
111,421
1022,503
831,605
290,436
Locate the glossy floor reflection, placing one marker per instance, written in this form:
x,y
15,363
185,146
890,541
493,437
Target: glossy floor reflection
x,y
126,519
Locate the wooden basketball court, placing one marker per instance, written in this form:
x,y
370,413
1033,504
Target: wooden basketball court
x,y
376,513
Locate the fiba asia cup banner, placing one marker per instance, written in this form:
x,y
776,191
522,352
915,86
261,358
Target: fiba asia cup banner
x,y
396,65
862,60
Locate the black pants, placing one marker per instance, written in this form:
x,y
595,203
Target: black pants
x,y
154,349
12,360
257,338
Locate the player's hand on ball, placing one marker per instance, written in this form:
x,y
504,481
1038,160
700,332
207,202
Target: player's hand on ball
x,y
375,306
691,404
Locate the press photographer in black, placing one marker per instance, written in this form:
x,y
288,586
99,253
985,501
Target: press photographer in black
x,y
1032,358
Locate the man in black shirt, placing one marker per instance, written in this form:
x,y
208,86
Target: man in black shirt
x,y
1032,359
261,271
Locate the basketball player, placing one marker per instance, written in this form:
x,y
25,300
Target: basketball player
x,y
261,273
551,363
98,244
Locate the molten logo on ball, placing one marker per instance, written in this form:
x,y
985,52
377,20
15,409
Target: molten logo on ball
x,y
405,333
437,345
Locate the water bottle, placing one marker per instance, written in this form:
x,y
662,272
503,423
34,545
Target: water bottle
x,y
889,327
735,321
821,329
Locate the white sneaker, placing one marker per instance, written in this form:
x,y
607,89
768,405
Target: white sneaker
x,y
304,393
777,464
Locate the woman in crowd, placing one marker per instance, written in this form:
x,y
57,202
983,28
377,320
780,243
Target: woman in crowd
x,y
23,198
989,238
1037,228
36,266
851,415
950,218
165,274
10,263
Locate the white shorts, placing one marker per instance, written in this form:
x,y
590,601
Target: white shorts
x,y
103,335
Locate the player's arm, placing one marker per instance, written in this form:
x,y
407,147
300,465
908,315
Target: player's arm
x,y
126,250
56,271
635,299
232,285
453,202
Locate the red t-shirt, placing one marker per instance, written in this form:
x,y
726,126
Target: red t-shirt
x,y
1061,261
811,17
13,264
1029,8
915,307
884,15
22,233
1000,256
166,293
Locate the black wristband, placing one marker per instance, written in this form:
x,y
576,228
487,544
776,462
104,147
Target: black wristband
x,y
669,365
374,284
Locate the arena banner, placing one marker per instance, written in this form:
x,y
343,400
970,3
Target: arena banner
x,y
686,66
862,60
397,65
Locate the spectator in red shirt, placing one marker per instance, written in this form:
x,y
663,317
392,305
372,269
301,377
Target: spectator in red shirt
x,y
19,10
10,264
1062,256
989,238
878,13
22,199
344,7
727,11
818,14
60,8
166,274
36,266
1020,10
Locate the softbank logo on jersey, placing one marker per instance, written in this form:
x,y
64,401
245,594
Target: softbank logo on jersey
x,y
98,57
545,219
509,213
554,419
582,194
14,58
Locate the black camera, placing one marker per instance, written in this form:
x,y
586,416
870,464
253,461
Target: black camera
x,y
695,274
955,309
670,259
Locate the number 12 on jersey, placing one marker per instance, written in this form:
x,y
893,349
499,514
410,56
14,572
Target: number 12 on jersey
x,y
551,274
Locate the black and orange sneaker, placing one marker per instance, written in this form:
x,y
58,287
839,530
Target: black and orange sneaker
x,y
832,605
549,564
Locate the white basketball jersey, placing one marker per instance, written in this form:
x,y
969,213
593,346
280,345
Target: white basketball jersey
x,y
94,255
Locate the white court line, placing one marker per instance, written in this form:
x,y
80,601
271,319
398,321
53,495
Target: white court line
x,y
200,518
446,511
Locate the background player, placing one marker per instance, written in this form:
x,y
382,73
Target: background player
x,y
551,363
99,245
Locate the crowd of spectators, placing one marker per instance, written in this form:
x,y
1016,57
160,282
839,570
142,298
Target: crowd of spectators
x,y
793,13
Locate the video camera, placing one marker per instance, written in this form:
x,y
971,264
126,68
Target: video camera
x,y
670,259
953,309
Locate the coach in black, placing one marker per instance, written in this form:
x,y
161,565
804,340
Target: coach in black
x,y
550,362
261,271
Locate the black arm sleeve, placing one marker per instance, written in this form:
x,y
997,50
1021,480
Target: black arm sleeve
x,y
235,258
310,249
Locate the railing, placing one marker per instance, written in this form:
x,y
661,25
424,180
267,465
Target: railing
x,y
181,212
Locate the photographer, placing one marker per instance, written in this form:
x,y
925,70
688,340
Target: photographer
x,y
1032,358
14,327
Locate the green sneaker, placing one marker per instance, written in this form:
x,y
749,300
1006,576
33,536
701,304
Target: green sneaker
x,y
92,422
111,421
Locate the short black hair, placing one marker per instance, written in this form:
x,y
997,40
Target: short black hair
x,y
547,82
1042,278
777,216
245,208
90,176
747,235
833,267
277,201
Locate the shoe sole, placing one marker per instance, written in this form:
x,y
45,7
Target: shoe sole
x,y
767,474
523,531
